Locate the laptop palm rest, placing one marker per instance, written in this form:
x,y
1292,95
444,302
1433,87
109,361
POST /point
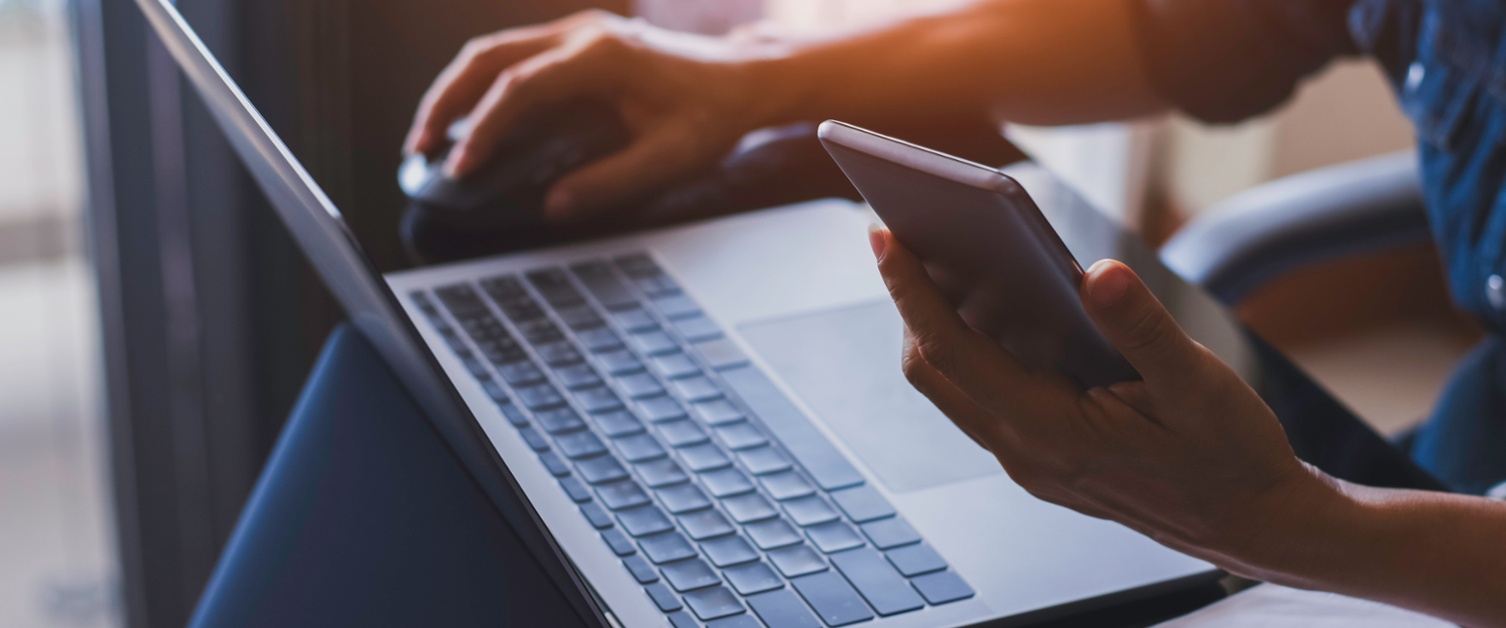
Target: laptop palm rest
x,y
845,365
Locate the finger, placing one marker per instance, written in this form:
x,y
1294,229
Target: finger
x,y
664,155
550,76
970,360
1136,323
974,421
462,83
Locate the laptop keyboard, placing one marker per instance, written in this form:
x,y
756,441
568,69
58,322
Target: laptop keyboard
x,y
720,497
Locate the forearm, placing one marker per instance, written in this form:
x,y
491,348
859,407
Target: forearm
x,y
1436,553
1030,61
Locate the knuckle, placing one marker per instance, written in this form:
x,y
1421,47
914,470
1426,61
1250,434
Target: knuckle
x,y
1150,330
940,355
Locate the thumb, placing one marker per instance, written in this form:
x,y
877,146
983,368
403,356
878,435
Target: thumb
x,y
1136,323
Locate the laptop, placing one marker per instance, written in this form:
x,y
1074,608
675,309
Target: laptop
x,y
707,424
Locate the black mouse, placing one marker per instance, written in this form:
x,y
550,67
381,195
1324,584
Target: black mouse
x,y
509,189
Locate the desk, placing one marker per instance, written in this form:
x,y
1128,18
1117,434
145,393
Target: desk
x,y
362,516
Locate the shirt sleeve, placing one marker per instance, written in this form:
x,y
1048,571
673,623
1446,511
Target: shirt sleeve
x,y
1227,60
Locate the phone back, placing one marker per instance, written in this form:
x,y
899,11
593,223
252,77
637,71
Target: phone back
x,y
987,246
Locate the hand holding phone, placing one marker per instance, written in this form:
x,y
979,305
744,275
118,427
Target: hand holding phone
x,y
987,246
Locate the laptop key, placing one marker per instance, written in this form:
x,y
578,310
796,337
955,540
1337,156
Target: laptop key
x,y
741,435
716,413
736,621
753,578
582,444
617,423
666,548
597,399
772,534
554,464
913,560
810,510
834,600
763,460
682,619
597,515
540,331
706,524
878,582
942,587
697,328
601,469
580,317
783,609
683,498
723,483
539,397
721,354
796,560
621,545
558,353
749,508
554,285
890,533
704,457
674,366
640,386
834,536
640,448
688,575
623,494
729,550
520,373
577,376
536,441
634,320
662,472
644,520
682,433
676,306
862,504
560,420
599,340
653,342
786,485
827,466
696,389
661,408
494,390
663,597
604,285
514,414
575,489
713,603
620,362
642,571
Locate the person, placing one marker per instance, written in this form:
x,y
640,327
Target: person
x,y
1190,456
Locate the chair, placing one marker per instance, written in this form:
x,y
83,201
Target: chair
x,y
1361,207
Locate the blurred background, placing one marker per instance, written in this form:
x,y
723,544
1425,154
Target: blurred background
x,y
156,324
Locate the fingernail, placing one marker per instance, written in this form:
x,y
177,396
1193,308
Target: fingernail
x,y
877,241
558,203
1108,282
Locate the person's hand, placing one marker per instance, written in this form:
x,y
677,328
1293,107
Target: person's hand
x,y
1189,456
686,99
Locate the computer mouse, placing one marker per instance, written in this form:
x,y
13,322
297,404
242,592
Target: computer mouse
x,y
509,189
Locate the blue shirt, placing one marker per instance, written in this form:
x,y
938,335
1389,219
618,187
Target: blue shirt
x,y
1226,60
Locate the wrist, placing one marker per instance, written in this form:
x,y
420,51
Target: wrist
x,y
1291,531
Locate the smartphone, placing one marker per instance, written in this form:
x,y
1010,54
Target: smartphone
x,y
987,246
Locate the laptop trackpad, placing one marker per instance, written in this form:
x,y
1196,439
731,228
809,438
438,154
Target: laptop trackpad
x,y
844,364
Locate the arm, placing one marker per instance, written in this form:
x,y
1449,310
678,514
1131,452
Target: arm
x,y
1191,457
688,98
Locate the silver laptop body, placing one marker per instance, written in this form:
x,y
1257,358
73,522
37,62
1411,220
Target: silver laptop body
x,y
707,424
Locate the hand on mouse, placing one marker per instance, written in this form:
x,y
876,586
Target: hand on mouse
x,y
687,99
1190,456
